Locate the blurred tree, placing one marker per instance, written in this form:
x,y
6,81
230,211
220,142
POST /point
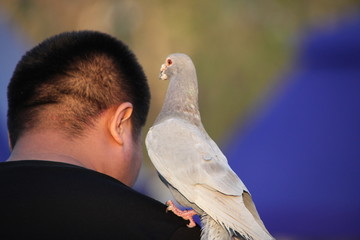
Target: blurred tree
x,y
238,46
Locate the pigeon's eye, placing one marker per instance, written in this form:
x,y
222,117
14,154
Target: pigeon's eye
x,y
169,62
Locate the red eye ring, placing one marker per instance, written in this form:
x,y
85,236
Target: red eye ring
x,y
169,62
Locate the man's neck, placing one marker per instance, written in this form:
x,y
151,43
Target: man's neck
x,y
48,146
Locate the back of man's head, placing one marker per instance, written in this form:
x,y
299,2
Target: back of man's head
x,y
68,80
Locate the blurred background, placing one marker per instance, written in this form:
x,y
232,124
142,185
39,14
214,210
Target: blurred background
x,y
279,85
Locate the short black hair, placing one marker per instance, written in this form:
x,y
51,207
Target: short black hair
x,y
68,80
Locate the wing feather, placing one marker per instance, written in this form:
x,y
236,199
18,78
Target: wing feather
x,y
206,180
175,143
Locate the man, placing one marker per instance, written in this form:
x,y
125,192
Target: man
x,y
77,104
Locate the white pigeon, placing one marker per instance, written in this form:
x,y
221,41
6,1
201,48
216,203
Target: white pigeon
x,y
193,167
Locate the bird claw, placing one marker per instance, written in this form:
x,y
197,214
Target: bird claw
x,y
185,214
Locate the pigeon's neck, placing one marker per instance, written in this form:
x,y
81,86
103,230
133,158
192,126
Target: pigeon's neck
x,y
181,100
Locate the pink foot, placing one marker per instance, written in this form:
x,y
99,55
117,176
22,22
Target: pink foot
x,y
185,214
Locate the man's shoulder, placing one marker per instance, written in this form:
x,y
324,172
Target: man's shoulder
x,y
83,201
67,180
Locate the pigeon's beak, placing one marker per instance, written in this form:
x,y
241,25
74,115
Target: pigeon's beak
x,y
162,75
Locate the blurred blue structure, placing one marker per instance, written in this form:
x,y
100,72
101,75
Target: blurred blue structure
x,y
300,154
11,48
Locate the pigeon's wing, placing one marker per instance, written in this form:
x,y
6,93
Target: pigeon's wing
x,y
193,164
180,151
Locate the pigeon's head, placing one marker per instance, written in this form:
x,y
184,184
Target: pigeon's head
x,y
174,63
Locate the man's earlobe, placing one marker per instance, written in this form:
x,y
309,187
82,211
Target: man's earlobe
x,y
120,122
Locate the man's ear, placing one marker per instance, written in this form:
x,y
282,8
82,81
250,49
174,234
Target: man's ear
x,y
120,122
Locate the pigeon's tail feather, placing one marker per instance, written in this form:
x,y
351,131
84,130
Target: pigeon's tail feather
x,y
212,230
236,214
248,225
250,206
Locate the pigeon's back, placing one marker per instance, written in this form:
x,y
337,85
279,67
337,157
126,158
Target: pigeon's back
x,y
193,165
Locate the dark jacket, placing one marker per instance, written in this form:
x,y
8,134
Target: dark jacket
x,y
52,200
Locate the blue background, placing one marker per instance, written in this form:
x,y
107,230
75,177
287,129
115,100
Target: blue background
x,y
300,151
